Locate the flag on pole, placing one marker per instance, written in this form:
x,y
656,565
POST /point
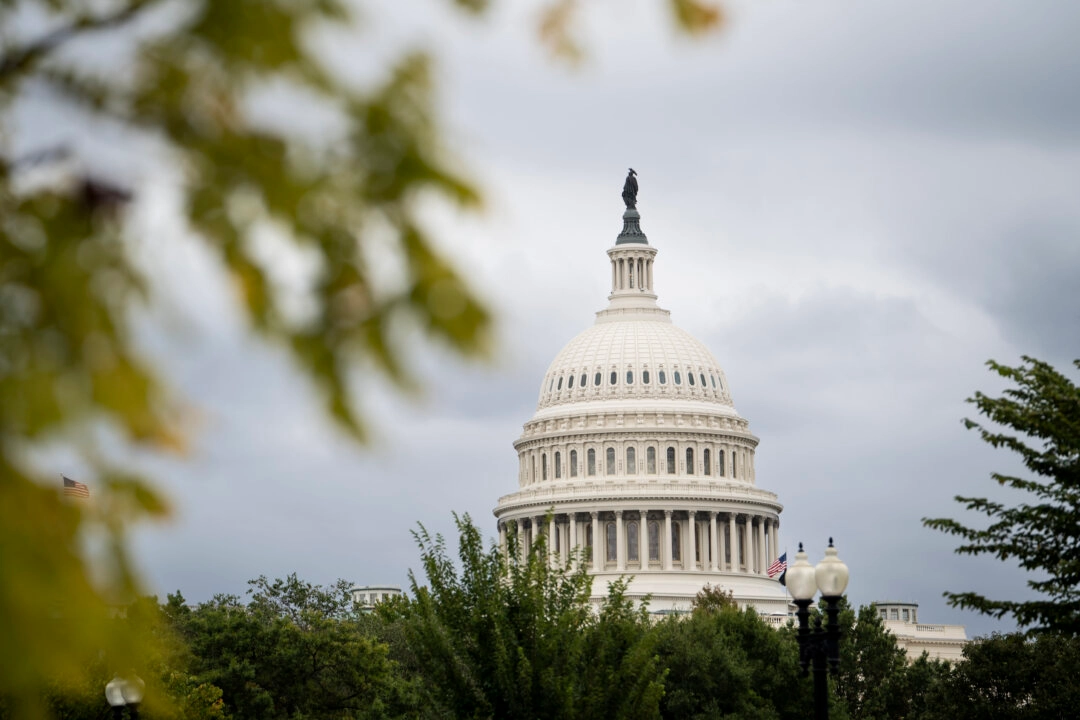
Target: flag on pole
x,y
779,566
75,489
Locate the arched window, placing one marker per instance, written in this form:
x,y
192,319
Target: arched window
x,y
720,463
654,541
713,378
543,466
629,377
596,380
614,378
689,461
590,460
676,541
699,551
702,376
631,461
558,464
663,378
650,461
588,538
734,464
559,386
671,461
645,377
612,542
678,378
570,383
581,382
533,474
610,461
690,378
632,541
573,463
706,461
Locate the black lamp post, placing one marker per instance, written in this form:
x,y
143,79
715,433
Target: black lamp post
x,y
125,692
819,647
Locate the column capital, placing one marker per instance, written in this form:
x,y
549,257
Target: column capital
x,y
595,514
618,513
667,513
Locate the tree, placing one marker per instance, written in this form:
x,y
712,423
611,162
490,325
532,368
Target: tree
x,y
70,279
1039,419
872,678
513,635
727,662
1011,677
293,650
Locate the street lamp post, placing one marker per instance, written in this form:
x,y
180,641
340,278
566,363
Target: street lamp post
x,y
125,692
819,647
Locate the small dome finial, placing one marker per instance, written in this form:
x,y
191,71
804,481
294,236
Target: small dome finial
x,y
631,232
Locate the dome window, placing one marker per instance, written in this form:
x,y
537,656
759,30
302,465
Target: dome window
x,y
689,461
678,378
632,543
631,461
612,542
560,383
645,377
573,463
610,461
570,383
663,378
590,459
596,380
543,466
629,377
671,461
650,461
720,463
702,376
676,542
690,377
706,462
614,378
713,378
581,381
558,464
654,540
551,385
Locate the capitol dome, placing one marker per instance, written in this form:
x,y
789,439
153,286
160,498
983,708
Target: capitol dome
x,y
637,458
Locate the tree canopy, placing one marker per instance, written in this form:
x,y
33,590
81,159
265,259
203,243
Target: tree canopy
x,y
1038,419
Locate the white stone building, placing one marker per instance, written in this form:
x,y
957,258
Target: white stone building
x,y
638,451
368,596
941,642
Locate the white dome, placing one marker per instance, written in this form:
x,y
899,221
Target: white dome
x,y
634,358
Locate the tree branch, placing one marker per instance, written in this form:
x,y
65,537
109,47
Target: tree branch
x,y
20,59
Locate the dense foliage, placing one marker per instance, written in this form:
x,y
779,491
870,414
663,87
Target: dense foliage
x,y
1039,419
494,635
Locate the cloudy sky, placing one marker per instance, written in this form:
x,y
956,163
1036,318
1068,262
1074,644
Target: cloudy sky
x,y
855,204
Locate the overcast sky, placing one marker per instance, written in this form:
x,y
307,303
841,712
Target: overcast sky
x,y
855,205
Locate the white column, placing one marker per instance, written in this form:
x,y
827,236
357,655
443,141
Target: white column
x,y
596,541
573,544
748,546
714,542
643,539
733,538
552,553
620,541
775,528
666,540
763,556
692,526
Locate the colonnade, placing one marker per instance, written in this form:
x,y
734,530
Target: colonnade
x,y
654,539
631,271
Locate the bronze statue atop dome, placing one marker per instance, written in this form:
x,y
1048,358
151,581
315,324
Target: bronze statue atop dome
x,y
629,190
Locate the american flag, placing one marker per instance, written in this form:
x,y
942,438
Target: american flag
x,y
778,566
75,489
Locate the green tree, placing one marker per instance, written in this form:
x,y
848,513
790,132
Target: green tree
x,y
69,278
1039,419
1011,677
513,636
294,650
872,680
727,662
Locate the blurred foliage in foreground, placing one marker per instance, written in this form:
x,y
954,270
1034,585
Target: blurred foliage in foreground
x,y
510,637
179,86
